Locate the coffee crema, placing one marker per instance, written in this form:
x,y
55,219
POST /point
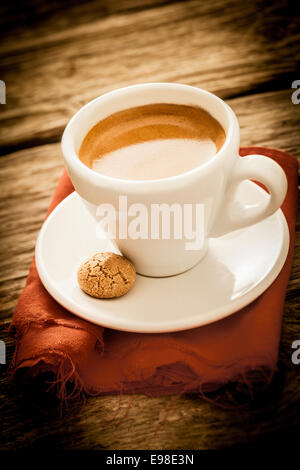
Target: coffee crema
x,y
152,141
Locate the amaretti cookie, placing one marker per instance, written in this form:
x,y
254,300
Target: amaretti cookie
x,y
106,275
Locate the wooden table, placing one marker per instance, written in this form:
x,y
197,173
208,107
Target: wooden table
x,y
56,56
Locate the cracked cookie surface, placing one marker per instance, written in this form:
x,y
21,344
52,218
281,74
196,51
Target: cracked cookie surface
x,y
106,275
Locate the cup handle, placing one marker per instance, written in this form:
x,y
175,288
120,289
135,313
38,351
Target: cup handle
x,y
232,214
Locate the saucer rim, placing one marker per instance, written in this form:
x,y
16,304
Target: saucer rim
x,y
163,327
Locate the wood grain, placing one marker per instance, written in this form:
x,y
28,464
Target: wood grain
x,y
189,42
54,57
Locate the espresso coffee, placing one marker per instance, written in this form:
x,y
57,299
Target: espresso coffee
x,y
152,141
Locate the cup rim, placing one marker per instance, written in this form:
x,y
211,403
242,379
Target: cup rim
x,y
72,159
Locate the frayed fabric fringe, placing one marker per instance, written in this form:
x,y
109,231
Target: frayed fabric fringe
x,y
68,382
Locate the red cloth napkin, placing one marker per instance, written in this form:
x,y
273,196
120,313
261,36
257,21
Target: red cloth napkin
x,y
99,360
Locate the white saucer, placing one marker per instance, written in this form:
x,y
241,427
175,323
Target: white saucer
x,y
236,269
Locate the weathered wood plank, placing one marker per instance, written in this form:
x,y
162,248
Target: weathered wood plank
x,y
40,17
31,418
53,61
269,119
28,179
50,75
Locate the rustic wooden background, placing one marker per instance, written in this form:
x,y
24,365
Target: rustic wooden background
x,y
56,56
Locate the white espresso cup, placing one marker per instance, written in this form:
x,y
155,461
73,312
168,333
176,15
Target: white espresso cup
x,y
211,187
